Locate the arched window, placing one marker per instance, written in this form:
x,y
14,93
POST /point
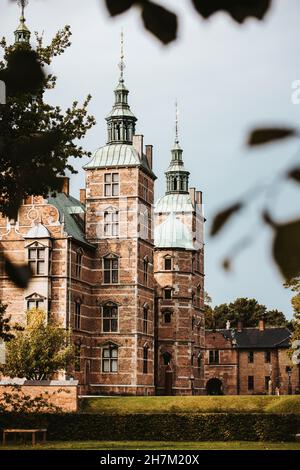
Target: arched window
x,y
167,315
110,359
168,263
78,262
145,359
110,269
167,358
109,317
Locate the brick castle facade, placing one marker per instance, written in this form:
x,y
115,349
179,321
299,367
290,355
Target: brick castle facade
x,y
123,273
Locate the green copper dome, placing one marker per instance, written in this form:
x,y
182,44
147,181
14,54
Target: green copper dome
x,y
172,233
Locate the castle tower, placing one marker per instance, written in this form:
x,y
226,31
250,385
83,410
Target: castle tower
x,y
22,33
179,278
119,197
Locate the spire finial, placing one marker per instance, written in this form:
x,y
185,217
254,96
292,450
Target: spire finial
x,y
122,63
176,122
22,4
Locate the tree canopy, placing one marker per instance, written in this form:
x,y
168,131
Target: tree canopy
x,y
39,350
247,311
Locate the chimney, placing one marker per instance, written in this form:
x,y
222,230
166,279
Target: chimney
x,y
228,325
149,154
240,326
65,185
192,192
199,197
261,325
82,196
137,142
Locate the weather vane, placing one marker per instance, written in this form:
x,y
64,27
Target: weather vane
x,y
122,63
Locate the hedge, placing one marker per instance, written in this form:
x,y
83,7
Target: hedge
x,y
173,426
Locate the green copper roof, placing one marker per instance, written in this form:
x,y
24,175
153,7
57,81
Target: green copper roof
x,y
69,210
117,155
172,233
174,203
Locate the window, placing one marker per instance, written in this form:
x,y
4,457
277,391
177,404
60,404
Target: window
x,y
145,360
193,323
111,184
78,263
250,382
110,359
168,293
145,320
267,379
198,295
267,356
168,263
250,357
109,317
145,270
111,269
214,357
35,301
145,189
36,260
192,359
199,362
77,318
166,358
111,224
167,317
77,357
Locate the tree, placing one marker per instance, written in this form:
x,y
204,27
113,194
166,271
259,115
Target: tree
x,y
37,139
294,285
39,350
208,311
5,329
248,311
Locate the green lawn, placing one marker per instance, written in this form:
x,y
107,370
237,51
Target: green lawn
x,y
157,445
200,404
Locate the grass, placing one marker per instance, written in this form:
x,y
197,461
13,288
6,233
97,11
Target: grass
x,y
155,445
199,404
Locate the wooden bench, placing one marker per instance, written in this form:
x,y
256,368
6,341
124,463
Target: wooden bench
x,y
33,433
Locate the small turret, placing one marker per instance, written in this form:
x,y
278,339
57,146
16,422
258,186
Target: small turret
x,y
22,33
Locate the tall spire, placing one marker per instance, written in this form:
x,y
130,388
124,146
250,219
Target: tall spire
x,y
121,121
122,63
177,176
22,33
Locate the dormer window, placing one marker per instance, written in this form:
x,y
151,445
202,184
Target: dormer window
x,y
36,260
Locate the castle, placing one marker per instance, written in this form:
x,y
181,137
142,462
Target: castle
x,y
125,275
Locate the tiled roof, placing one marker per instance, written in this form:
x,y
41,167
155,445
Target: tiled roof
x,y
248,338
69,210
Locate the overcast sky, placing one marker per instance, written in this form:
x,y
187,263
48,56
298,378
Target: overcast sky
x,y
226,78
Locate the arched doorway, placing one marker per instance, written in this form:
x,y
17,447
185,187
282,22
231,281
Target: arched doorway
x,y
214,387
